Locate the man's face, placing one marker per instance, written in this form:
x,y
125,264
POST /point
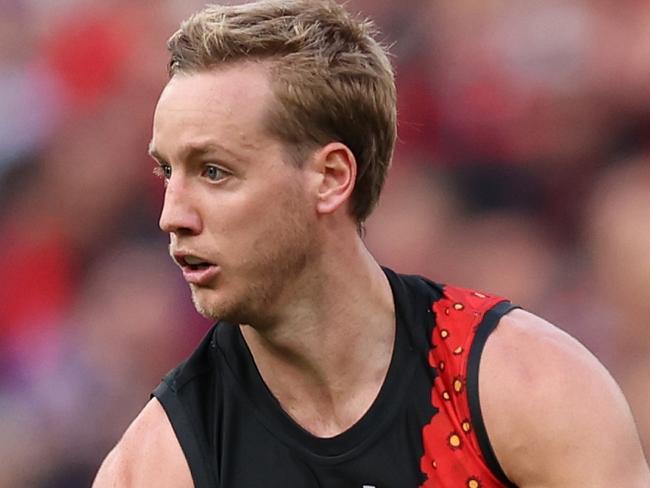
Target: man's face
x,y
237,211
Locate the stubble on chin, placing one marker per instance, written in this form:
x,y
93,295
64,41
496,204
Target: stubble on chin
x,y
252,304
216,309
203,306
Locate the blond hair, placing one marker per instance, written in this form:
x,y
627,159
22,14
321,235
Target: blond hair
x,y
331,78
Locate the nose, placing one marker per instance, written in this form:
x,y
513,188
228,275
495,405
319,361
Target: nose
x,y
179,215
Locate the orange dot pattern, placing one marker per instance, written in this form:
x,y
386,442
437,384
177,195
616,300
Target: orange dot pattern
x,y
452,456
454,441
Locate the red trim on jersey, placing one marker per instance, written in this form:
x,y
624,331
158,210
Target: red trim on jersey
x,y
452,456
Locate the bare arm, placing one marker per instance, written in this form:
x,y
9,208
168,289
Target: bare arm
x,y
147,455
554,415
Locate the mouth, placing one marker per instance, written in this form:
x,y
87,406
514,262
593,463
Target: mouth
x,y
196,270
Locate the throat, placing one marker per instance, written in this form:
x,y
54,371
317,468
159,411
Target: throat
x,y
330,390
327,409
327,356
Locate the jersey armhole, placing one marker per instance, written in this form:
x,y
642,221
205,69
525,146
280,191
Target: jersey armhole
x,y
485,328
186,435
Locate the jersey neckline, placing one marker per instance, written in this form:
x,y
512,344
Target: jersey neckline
x,y
367,429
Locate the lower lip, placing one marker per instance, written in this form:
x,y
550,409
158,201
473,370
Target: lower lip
x,y
200,277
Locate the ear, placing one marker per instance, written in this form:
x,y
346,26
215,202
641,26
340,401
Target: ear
x,y
337,170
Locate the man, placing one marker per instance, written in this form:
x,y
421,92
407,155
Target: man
x,y
273,137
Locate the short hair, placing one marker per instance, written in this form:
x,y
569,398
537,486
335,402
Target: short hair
x,y
331,77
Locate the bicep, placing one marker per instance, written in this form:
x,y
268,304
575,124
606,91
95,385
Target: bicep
x,y
109,473
554,415
147,455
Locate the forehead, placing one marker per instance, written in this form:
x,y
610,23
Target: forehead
x,y
225,105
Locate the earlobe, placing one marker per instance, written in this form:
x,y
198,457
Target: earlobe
x,y
338,170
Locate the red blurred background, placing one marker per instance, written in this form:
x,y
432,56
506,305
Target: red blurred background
x,y
523,168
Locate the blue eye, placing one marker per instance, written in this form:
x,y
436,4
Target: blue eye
x,y
214,173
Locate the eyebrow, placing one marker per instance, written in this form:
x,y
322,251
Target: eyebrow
x,y
194,149
153,153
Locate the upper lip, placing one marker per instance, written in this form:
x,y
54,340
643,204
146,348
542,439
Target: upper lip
x,y
181,258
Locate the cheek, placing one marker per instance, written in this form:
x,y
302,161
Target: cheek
x,y
240,221
228,214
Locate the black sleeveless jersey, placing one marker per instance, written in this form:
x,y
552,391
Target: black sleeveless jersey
x,y
423,429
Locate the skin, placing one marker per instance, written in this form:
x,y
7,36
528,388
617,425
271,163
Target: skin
x,y
554,415
316,309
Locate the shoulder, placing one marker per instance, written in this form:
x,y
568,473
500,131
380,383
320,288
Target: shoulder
x,y
147,455
553,414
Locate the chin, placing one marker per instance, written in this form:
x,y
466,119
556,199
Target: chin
x,y
209,306
214,306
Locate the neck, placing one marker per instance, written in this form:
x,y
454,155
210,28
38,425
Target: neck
x,y
326,360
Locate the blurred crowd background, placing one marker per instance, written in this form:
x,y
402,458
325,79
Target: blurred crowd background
x,y
522,168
